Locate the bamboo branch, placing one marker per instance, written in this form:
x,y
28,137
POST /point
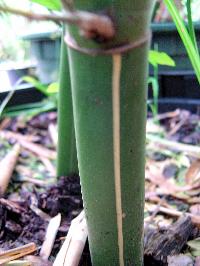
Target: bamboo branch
x,y
90,24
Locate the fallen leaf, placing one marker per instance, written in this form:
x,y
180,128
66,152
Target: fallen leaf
x,y
193,173
197,261
180,260
195,209
194,246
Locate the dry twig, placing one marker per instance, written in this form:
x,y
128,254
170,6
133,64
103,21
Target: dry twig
x,y
90,24
6,134
15,253
175,213
190,149
50,236
26,142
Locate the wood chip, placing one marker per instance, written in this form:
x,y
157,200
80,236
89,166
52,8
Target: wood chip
x,y
16,253
72,248
163,243
53,133
50,237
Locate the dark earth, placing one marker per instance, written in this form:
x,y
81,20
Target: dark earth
x,y
20,224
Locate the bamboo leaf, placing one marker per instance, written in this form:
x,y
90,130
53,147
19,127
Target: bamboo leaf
x,y
50,4
160,58
52,88
190,24
29,110
192,53
37,84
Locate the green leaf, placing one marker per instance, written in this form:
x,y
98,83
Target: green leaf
x,y
30,109
160,58
52,88
195,246
186,39
191,25
37,84
50,4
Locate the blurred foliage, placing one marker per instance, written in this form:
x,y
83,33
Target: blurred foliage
x,y
195,7
161,13
12,48
160,58
50,4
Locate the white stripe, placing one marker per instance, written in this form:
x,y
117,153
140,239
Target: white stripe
x,y
116,150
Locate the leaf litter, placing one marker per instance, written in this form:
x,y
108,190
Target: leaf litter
x,y
172,189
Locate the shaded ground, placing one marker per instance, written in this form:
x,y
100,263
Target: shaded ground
x,y
172,188
21,222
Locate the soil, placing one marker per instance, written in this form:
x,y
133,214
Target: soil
x,y
166,232
21,225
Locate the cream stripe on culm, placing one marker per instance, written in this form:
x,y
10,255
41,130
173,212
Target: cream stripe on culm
x,y
116,149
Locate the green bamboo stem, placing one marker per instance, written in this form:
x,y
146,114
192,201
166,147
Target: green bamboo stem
x,y
67,157
191,25
109,103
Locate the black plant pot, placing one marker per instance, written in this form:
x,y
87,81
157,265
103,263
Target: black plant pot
x,y
178,81
171,104
45,52
167,39
24,93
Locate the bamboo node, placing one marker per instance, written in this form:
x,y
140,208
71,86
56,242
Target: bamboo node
x,y
119,49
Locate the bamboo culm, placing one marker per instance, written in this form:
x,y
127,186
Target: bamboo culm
x,y
109,104
67,158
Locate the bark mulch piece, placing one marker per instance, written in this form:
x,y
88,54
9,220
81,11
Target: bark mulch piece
x,y
161,243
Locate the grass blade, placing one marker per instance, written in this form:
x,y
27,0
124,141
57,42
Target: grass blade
x,y
190,25
9,96
192,53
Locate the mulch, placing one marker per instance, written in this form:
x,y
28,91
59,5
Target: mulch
x,y
171,214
